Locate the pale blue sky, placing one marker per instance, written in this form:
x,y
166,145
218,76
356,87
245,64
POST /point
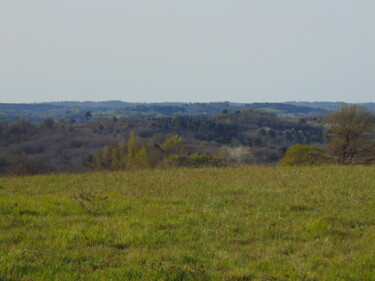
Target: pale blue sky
x,y
189,51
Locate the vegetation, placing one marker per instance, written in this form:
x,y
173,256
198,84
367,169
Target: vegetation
x,y
129,222
38,112
69,145
303,155
350,137
245,136
245,223
351,132
332,106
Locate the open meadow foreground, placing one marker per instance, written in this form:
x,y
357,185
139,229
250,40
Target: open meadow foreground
x,y
246,223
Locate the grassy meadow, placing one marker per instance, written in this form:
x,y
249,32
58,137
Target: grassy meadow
x,y
246,223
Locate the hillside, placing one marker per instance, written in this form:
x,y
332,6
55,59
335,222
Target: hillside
x,y
37,112
330,106
66,145
63,110
246,223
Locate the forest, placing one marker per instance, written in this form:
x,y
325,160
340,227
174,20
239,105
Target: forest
x,y
93,142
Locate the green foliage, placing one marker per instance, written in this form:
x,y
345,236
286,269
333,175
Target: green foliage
x,y
318,228
243,223
125,156
143,159
198,160
172,145
106,154
116,159
132,156
172,161
61,145
96,163
303,155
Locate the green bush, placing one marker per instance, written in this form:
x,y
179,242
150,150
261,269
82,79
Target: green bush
x,y
172,161
198,160
303,155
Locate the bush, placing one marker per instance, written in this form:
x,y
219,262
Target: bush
x,y
198,160
172,161
24,165
303,155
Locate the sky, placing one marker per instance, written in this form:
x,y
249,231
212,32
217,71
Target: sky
x,y
187,51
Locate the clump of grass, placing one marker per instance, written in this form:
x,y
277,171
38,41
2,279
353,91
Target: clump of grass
x,y
318,228
299,208
95,204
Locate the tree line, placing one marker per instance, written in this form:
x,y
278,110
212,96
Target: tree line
x,y
243,136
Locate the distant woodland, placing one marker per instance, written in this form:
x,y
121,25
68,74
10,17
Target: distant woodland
x,y
68,138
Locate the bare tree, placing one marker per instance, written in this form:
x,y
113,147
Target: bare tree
x,y
239,155
351,135
88,116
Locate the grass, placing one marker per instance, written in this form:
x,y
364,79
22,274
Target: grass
x,y
247,223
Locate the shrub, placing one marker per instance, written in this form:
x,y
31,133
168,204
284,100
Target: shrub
x,y
303,155
24,165
198,160
172,161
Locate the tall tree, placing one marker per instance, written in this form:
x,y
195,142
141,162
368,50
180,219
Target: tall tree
x,y
88,116
144,159
133,149
351,135
172,144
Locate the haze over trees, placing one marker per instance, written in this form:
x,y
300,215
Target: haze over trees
x,y
38,112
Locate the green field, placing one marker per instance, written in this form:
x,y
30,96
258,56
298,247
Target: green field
x,y
247,223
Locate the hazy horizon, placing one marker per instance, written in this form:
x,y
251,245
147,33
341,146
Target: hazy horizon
x,y
196,51
172,102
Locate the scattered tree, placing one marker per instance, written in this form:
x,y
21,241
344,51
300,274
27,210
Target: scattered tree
x,y
172,145
88,116
125,156
48,123
351,135
239,155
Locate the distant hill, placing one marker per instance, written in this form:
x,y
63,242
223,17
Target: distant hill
x,y
37,112
92,104
285,108
329,106
65,145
